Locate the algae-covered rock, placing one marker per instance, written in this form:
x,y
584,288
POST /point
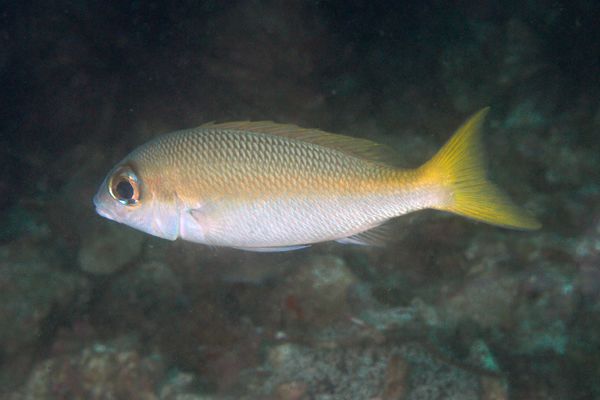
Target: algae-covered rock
x,y
99,371
316,292
108,248
37,294
116,369
34,290
402,372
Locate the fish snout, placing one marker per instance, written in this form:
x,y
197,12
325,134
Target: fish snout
x,y
100,204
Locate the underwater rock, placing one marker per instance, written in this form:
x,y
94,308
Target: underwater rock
x,y
493,388
144,297
546,306
184,386
18,221
108,248
487,301
186,314
481,356
583,338
244,57
587,256
406,372
493,58
291,391
487,295
396,379
65,202
36,295
521,54
110,370
100,371
525,309
117,76
316,292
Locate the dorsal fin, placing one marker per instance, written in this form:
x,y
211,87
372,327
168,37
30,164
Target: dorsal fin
x,y
361,148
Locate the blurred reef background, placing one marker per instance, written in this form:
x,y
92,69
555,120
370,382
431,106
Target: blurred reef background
x,y
452,309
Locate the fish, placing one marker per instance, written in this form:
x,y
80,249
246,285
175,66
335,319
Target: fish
x,y
264,186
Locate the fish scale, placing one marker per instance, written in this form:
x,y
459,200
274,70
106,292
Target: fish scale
x,y
266,186
298,163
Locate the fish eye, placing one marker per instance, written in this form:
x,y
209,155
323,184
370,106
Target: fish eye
x,y
124,191
124,187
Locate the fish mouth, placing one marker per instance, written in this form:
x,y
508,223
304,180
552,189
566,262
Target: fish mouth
x,y
102,211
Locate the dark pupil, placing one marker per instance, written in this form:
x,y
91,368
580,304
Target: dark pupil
x,y
124,190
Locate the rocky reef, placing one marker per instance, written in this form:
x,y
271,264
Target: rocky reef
x,y
450,309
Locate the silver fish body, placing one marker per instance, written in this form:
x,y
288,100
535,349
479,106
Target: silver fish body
x,y
269,187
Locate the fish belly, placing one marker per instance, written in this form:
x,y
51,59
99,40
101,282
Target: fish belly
x,y
289,222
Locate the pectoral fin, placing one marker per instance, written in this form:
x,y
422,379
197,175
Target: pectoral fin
x,y
195,223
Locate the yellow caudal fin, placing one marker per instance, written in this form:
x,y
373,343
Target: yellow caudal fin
x,y
459,170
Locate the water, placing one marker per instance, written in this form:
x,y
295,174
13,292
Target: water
x,y
450,309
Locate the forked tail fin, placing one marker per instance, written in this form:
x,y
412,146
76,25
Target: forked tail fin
x,y
458,168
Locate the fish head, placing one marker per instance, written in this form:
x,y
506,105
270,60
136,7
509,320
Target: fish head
x,y
129,195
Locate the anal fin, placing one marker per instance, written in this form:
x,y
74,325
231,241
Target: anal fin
x,y
377,236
